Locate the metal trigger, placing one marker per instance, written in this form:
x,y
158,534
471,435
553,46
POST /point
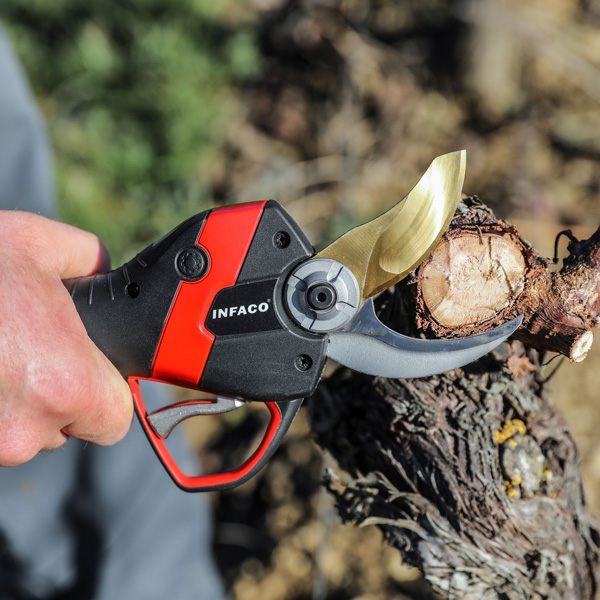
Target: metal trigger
x,y
164,420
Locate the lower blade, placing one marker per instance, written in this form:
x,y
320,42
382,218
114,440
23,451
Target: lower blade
x,y
368,346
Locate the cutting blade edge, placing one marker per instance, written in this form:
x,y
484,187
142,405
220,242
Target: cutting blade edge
x,y
383,251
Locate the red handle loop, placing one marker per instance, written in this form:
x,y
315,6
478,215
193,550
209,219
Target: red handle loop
x,y
282,414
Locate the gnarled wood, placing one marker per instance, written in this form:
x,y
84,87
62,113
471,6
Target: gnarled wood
x,y
483,273
471,474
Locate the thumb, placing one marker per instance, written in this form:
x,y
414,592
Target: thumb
x,y
54,246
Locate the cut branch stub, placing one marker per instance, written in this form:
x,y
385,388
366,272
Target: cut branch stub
x,y
489,266
483,273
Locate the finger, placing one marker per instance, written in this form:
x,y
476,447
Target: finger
x,y
108,413
56,247
23,440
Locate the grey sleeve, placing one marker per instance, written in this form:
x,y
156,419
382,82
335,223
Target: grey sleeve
x,y
26,171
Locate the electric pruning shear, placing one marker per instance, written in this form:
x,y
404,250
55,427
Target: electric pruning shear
x,y
234,302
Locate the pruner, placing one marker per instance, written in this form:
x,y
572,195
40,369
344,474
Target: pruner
x,y
234,302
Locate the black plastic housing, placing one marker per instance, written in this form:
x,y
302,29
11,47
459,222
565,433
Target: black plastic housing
x,y
258,357
124,310
258,353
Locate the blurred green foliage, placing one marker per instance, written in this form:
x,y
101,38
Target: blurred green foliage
x,y
136,94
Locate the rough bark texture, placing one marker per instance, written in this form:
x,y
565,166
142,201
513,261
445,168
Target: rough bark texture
x,y
483,273
471,474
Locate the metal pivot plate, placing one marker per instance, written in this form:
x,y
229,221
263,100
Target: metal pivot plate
x,y
368,346
322,295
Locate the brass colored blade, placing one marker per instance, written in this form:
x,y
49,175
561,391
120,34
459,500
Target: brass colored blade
x,y
385,250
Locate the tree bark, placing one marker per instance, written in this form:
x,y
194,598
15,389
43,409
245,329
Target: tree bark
x,y
471,474
483,273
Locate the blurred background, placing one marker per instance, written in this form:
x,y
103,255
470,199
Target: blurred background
x,y
159,109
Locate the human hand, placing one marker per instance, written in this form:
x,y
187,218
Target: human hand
x,y
54,382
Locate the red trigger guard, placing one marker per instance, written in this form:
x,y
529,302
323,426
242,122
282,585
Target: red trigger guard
x,y
282,414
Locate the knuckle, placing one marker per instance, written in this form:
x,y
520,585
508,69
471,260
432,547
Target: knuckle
x,y
23,230
114,419
55,392
16,450
104,416
20,446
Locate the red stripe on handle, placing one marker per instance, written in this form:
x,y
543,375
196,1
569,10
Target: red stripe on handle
x,y
185,343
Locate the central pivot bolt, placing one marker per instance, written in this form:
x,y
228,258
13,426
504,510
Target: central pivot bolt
x,y
321,296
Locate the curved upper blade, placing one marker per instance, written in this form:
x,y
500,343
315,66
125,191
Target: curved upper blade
x,y
383,251
368,346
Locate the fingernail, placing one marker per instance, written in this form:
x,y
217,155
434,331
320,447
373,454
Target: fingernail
x,y
103,262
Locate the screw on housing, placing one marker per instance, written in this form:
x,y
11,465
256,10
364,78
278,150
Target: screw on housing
x,y
132,289
303,362
192,263
281,239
